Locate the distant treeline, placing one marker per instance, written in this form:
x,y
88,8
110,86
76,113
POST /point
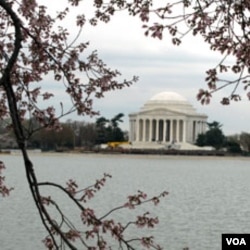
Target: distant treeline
x,y
72,134
215,138
85,135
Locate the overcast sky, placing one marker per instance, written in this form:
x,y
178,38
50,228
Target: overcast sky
x,y
160,67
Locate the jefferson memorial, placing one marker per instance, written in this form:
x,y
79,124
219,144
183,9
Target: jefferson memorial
x,y
166,119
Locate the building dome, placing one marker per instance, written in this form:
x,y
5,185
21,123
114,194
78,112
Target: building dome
x,y
168,96
169,100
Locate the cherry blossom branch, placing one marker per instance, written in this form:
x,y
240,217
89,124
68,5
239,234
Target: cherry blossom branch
x,y
136,200
223,25
4,190
102,224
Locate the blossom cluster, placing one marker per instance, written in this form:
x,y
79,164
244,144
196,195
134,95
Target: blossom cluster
x,y
4,190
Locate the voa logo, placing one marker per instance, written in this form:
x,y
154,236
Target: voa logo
x,y
236,241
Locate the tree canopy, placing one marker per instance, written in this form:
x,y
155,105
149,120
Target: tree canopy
x,y
213,137
109,130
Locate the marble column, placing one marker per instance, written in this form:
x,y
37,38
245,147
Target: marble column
x,y
157,130
137,130
194,131
184,131
150,127
171,130
164,130
177,130
144,130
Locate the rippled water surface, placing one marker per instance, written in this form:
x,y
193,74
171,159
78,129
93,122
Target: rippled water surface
x,y
207,196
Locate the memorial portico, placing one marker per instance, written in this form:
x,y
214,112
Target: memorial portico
x,y
167,117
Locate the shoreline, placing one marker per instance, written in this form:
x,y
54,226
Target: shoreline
x,y
122,151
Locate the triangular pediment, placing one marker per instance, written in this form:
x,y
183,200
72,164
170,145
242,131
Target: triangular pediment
x,y
161,112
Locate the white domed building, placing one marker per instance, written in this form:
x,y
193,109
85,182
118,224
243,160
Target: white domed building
x,y
166,119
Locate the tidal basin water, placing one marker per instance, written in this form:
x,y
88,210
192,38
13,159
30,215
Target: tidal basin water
x,y
208,196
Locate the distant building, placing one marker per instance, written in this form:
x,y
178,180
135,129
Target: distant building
x,y
166,118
